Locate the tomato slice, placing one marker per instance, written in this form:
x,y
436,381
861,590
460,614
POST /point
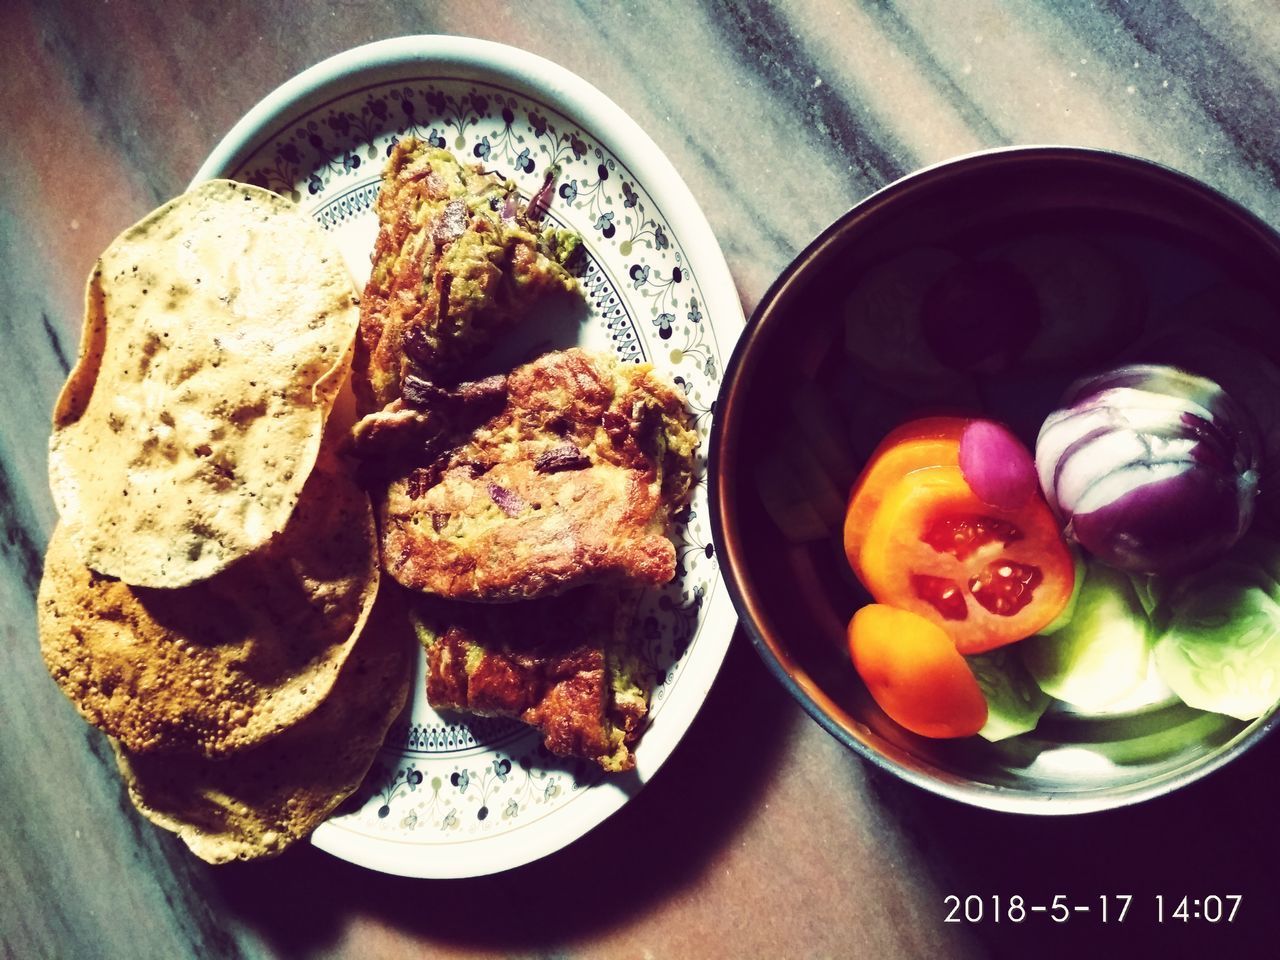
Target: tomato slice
x,y
928,442
914,672
987,576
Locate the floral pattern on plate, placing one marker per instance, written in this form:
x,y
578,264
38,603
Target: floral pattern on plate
x,y
440,779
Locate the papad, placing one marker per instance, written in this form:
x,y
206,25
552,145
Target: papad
x,y
256,803
217,332
220,665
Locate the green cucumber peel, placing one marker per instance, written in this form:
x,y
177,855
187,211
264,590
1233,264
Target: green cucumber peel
x,y
1014,702
1148,588
1064,618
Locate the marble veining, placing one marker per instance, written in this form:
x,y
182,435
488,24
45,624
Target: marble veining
x,y
779,116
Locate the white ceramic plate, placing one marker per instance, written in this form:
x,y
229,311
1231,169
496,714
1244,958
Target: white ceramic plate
x,y
448,797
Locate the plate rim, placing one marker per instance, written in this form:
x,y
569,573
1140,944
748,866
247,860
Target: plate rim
x,y
488,61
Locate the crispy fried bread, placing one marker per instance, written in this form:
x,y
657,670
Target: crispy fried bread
x,y
573,481
457,258
257,802
220,665
218,332
561,664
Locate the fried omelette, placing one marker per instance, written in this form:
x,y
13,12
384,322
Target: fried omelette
x,y
572,481
456,260
542,491
560,664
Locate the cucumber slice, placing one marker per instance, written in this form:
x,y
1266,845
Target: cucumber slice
x,y
1253,562
1221,649
1014,702
1101,655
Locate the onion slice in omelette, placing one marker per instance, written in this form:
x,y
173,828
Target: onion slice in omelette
x,y
217,666
257,803
218,330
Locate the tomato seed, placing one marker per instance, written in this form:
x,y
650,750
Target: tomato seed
x,y
964,536
1005,588
942,594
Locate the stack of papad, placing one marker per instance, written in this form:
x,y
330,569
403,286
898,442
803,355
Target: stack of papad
x,y
207,594
225,663
258,801
218,331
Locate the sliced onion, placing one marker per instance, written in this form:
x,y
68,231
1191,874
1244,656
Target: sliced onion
x,y
1174,383
540,202
996,465
510,207
1155,378
1144,414
1242,321
1108,453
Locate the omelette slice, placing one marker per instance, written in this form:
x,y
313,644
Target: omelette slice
x,y
563,665
456,260
573,481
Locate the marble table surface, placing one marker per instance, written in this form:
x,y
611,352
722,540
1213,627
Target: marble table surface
x,y
762,837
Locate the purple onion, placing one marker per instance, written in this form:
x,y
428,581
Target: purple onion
x,y
508,501
540,202
510,207
1173,383
996,465
1161,518
1152,469
1250,377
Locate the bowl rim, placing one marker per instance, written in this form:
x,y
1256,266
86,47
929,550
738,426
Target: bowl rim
x,y
811,697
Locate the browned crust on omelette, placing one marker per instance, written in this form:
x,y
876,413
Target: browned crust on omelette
x,y
573,482
456,259
559,664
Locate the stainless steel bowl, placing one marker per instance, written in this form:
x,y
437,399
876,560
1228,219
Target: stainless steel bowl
x,y
793,390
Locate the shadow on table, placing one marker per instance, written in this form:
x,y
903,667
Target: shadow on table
x,y
655,847
1218,838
